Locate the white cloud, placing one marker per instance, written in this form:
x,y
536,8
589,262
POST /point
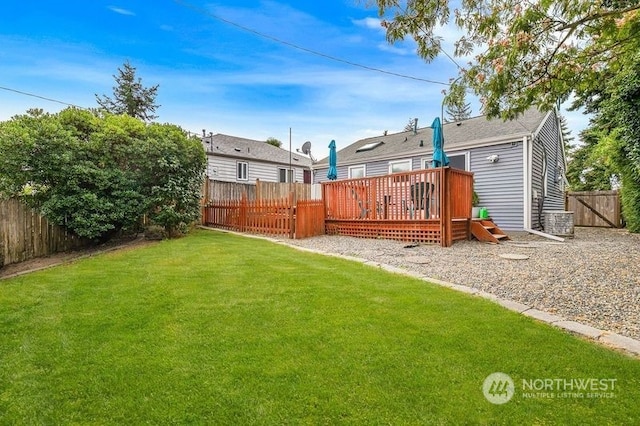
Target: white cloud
x,y
370,23
121,11
392,48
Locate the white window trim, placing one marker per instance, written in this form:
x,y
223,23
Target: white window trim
x,y
426,162
359,166
406,161
288,174
238,177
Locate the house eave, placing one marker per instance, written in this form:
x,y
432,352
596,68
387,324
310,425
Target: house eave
x,y
514,137
259,160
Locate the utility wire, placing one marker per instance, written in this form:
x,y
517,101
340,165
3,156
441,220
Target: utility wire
x,y
298,47
8,89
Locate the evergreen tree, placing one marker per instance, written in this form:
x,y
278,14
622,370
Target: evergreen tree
x,y
274,142
410,125
458,112
586,171
567,137
130,97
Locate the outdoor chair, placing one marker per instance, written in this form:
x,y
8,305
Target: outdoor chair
x,y
364,210
420,200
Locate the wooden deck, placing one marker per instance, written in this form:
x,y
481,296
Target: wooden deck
x,y
430,205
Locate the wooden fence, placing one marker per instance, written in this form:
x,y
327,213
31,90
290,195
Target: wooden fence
x,y
595,208
431,205
283,217
224,191
24,234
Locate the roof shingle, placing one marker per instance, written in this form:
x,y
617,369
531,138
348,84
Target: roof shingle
x,y
460,134
233,146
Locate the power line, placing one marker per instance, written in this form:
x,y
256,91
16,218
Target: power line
x,y
301,48
8,89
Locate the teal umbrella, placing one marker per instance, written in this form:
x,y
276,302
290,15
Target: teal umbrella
x,y
333,162
440,159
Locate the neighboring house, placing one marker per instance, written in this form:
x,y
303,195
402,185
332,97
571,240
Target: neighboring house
x,y
519,165
234,159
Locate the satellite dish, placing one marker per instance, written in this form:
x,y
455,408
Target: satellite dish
x,y
306,148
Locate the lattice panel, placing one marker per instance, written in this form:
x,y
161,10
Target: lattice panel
x,y
418,231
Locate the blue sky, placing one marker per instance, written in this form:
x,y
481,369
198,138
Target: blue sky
x,y
216,76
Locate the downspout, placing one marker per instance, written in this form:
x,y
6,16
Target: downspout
x,y
544,234
526,161
545,166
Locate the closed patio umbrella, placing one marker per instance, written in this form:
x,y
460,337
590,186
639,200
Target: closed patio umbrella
x,y
440,159
333,162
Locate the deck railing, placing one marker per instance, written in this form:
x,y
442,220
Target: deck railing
x,y
419,206
430,205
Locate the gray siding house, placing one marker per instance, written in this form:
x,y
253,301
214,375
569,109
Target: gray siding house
x,y
234,159
518,165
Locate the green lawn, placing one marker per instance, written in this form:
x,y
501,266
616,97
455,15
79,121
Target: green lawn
x,y
220,329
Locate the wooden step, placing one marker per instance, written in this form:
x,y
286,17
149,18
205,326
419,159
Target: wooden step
x,y
487,231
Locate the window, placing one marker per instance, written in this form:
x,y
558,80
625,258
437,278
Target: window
x,y
242,171
369,146
399,166
357,172
456,161
282,175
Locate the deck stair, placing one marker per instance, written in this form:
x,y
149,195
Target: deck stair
x,y
486,231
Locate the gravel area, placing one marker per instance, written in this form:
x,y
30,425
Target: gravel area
x,y
593,278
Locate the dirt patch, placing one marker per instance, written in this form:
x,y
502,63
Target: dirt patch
x,y
39,263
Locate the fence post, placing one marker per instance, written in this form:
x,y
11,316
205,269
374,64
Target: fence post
x,y
446,235
292,225
242,214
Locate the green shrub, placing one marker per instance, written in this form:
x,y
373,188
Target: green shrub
x,y
154,232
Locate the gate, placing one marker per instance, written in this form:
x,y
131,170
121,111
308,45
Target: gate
x,y
595,208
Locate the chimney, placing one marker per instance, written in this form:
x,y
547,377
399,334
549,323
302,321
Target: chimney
x,y
415,126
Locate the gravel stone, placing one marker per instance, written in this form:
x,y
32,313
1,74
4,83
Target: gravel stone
x,y
593,279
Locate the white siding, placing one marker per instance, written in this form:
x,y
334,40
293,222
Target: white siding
x,y
224,169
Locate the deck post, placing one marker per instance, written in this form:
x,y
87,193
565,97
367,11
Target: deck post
x,y
445,218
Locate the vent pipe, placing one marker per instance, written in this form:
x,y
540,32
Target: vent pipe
x,y
415,126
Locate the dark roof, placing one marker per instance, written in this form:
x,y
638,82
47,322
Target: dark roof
x,y
249,149
476,131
